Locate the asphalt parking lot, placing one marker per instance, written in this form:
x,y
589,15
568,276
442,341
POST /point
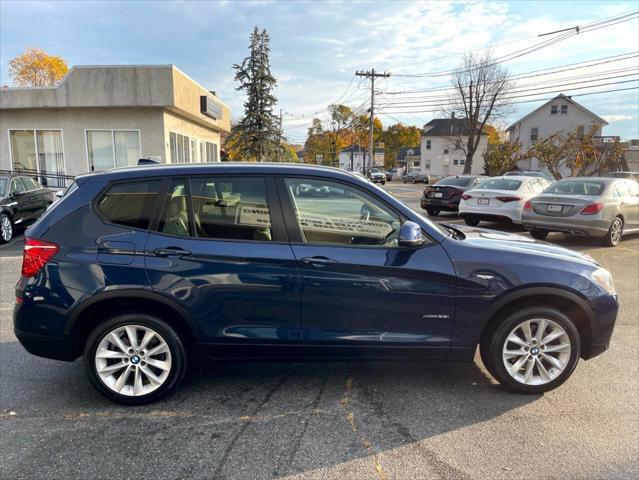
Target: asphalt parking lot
x,y
330,421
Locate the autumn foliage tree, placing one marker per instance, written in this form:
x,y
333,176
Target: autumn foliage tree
x,y
395,137
36,68
503,157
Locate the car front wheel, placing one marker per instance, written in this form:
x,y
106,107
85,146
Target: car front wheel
x,y
6,228
533,350
134,358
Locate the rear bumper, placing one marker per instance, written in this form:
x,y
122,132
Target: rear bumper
x,y
440,204
584,227
56,348
490,214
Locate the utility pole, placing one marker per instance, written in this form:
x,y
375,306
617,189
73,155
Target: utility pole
x,y
371,148
279,150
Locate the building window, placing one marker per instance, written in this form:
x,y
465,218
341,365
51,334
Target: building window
x,y
112,148
39,152
445,151
416,163
553,109
462,161
427,144
534,134
458,145
564,109
185,149
455,162
208,152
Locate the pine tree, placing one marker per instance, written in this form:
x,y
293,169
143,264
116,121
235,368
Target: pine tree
x,y
257,136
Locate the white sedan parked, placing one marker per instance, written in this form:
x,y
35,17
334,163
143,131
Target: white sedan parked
x,y
500,198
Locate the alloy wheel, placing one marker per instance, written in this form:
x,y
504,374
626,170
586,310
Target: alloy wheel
x,y
133,360
6,228
536,351
615,231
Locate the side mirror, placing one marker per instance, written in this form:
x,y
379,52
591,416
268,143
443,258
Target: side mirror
x,y
410,235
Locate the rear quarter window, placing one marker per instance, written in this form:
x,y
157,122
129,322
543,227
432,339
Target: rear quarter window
x,y
130,204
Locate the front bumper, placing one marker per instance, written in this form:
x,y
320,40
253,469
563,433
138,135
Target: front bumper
x,y
604,310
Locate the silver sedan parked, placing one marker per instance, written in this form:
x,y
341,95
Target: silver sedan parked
x,y
590,206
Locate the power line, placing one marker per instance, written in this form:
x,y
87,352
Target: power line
x,y
523,101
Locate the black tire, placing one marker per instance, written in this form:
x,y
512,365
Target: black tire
x,y
403,180
176,347
611,239
471,220
5,219
414,180
433,212
538,234
493,340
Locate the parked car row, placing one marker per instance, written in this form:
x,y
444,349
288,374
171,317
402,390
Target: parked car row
x,y
604,207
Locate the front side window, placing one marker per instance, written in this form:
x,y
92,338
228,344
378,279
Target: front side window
x,y
336,214
130,204
231,208
112,148
16,186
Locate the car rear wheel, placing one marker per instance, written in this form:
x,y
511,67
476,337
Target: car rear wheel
x,y
433,212
533,351
134,359
615,232
6,228
471,220
538,234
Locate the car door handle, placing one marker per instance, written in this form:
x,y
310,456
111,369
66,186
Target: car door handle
x,y
318,261
171,252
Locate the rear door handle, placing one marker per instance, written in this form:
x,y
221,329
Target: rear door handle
x,y
318,261
171,252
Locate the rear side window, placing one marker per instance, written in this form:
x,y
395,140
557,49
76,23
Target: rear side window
x,y
175,217
130,204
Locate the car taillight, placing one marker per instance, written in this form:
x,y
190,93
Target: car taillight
x,y
592,208
509,199
36,255
466,196
528,205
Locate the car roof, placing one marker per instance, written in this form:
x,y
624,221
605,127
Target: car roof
x,y
591,179
124,173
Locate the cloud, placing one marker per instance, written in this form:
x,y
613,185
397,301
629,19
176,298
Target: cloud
x,y
617,118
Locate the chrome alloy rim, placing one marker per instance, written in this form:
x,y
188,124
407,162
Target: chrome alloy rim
x,y
536,351
7,229
133,360
615,231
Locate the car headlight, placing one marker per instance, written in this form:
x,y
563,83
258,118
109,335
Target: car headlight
x,y
602,277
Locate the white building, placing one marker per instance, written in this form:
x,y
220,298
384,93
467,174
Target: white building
x,y
561,114
441,148
352,158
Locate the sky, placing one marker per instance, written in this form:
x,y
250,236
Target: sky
x,y
316,47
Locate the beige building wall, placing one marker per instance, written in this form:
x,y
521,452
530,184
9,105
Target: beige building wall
x,y
74,123
177,124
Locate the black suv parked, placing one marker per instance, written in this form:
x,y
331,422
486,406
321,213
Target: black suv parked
x,y
22,201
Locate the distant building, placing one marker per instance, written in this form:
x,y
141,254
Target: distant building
x,y
352,158
561,114
100,117
441,151
631,155
409,158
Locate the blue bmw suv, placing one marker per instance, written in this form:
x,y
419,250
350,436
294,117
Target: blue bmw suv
x,y
145,270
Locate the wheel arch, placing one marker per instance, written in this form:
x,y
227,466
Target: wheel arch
x,y
569,303
100,307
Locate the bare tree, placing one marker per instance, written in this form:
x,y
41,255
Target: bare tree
x,y
481,87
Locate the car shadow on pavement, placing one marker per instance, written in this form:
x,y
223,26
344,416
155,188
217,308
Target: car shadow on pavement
x,y
238,420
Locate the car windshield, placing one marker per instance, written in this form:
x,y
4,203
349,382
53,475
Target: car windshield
x,y
3,186
456,181
577,187
500,184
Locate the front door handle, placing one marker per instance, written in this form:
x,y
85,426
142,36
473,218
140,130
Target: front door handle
x,y
318,261
171,252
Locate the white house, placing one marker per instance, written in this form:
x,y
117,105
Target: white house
x,y
352,158
561,114
442,141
